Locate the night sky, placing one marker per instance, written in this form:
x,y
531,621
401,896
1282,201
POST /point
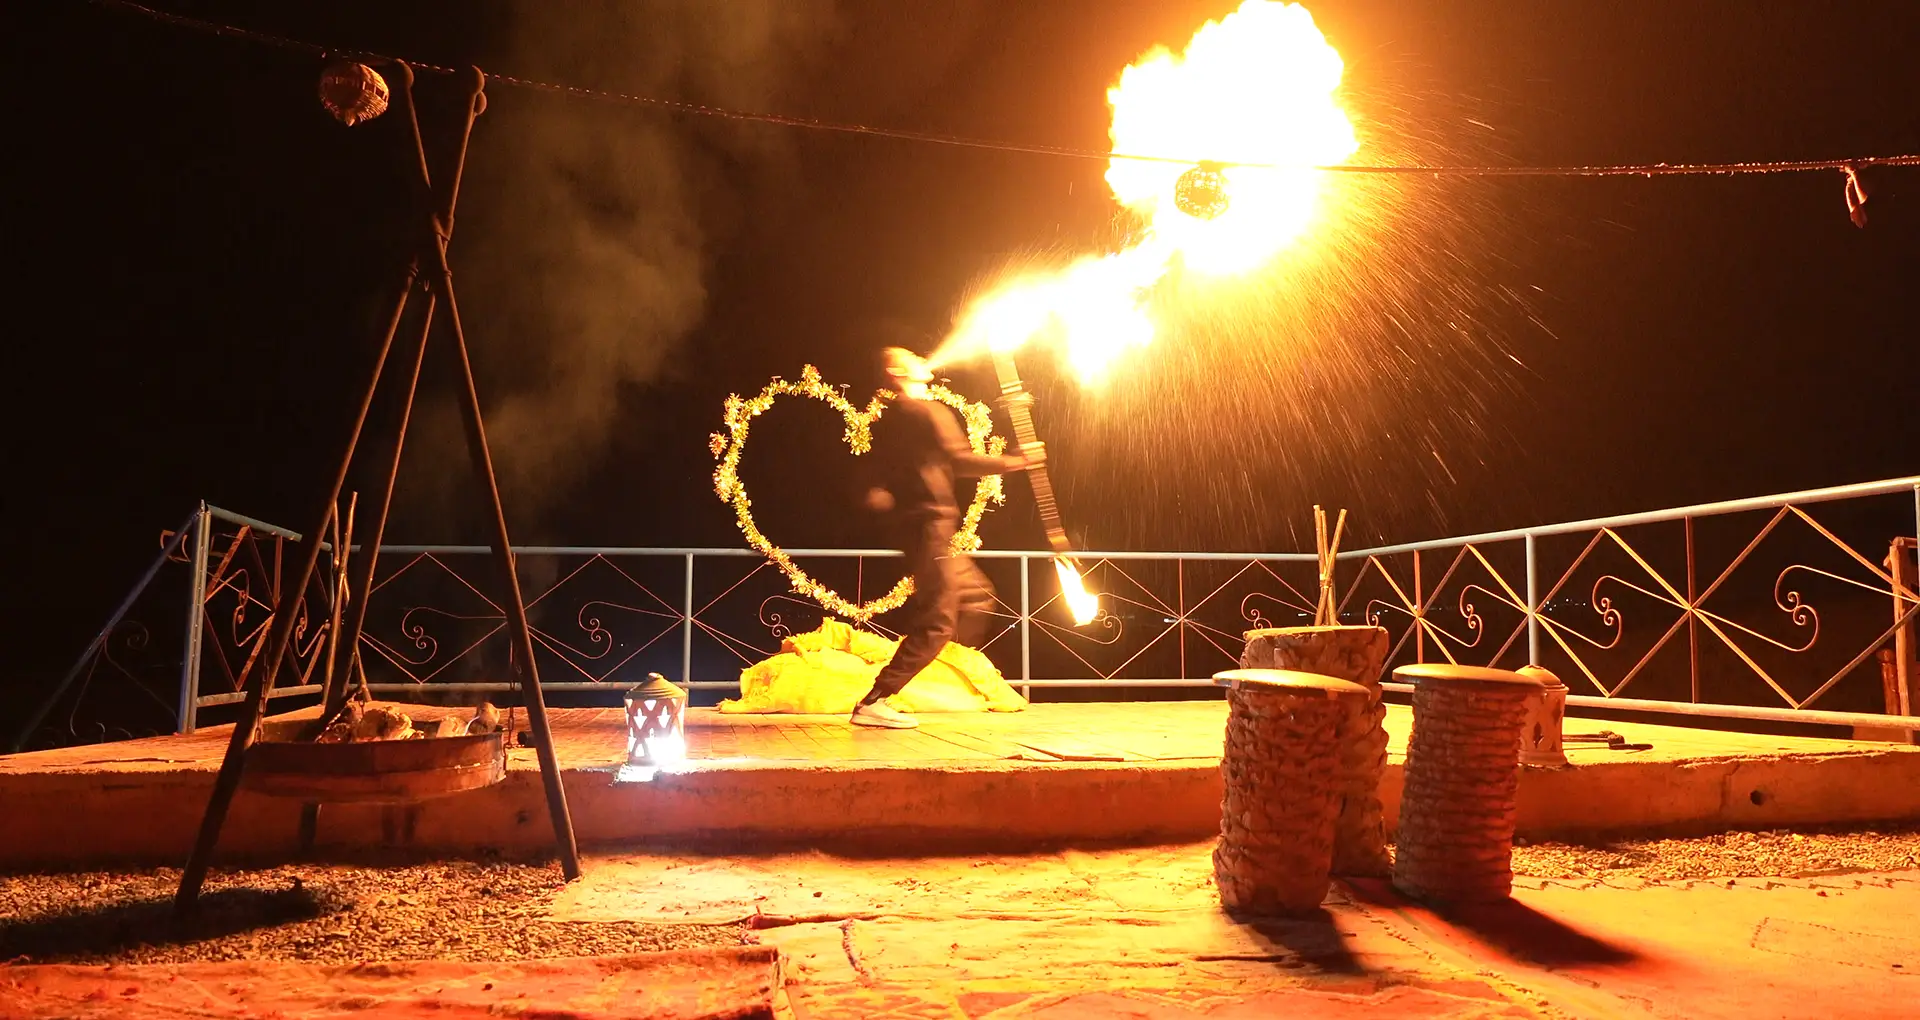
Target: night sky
x,y
201,256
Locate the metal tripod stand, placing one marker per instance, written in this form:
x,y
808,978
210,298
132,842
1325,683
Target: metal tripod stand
x,y
428,272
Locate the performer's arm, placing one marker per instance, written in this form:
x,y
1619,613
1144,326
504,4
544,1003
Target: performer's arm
x,y
968,464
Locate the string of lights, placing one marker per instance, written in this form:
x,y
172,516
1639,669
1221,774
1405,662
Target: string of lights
x,y
1849,166
727,484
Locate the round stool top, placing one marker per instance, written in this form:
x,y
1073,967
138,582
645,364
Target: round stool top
x,y
1442,672
1316,629
1544,676
1288,681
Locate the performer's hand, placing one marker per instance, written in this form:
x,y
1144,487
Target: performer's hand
x,y
1035,454
879,500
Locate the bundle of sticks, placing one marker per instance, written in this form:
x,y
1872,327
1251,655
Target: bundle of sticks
x,y
1325,610
359,719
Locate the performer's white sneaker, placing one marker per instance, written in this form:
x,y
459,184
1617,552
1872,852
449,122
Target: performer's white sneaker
x,y
882,715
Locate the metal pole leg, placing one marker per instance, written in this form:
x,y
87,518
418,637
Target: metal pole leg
x,y
196,619
360,580
515,605
360,586
469,399
228,781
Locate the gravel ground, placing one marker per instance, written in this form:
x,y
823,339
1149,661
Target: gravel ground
x,y
448,910
496,909
1775,854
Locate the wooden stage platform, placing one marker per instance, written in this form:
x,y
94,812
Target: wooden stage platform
x,y
1053,774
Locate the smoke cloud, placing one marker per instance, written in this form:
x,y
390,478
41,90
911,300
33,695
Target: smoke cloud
x,y
587,228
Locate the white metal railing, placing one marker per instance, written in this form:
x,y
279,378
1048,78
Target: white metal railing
x,y
1170,618
1204,631
1025,615
1891,577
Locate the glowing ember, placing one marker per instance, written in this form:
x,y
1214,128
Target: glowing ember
x,y
1083,604
1256,87
1202,192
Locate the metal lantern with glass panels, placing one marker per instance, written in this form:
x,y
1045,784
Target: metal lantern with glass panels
x,y
656,723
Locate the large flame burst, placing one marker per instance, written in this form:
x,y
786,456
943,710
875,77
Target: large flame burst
x,y
1255,92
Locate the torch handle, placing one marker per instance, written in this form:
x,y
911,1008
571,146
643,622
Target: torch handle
x,y
1019,408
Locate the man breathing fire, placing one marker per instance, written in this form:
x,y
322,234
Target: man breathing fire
x,y
923,453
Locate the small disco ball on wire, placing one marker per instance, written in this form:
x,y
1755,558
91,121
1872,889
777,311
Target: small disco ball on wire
x,y
1201,192
352,92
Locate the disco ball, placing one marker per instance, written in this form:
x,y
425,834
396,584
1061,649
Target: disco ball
x,y
1201,192
352,92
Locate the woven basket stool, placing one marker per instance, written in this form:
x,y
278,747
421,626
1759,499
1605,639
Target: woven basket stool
x,y
1354,654
1281,767
1455,838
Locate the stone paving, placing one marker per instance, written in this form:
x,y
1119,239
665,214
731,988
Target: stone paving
x,y
1138,933
1117,932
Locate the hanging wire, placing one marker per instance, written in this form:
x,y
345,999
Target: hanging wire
x,y
1848,166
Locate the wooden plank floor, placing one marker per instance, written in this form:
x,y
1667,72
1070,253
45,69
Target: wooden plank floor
x,y
1082,732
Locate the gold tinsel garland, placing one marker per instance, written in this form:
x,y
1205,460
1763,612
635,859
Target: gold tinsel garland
x,y
739,414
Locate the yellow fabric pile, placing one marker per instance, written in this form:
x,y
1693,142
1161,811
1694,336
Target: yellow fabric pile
x,y
826,671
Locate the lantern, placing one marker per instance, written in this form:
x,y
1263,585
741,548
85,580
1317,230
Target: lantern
x,y
1541,738
352,92
1201,192
656,724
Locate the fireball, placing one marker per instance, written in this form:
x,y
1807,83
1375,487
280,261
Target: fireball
x,y
1237,122
1253,93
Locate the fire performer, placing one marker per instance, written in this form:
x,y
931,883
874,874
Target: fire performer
x,y
923,451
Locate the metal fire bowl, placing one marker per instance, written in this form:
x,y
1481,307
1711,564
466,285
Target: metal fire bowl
x,y
285,763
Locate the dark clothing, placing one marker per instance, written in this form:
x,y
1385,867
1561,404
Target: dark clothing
x,y
950,601
921,454
922,450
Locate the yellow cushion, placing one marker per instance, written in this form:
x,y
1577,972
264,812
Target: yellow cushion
x,y
826,671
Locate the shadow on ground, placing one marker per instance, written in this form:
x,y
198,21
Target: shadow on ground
x,y
1312,940
1527,935
87,934
1508,927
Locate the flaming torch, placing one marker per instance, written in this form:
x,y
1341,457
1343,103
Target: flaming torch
x,y
1084,605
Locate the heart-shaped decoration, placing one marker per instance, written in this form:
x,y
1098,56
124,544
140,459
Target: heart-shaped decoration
x,y
727,446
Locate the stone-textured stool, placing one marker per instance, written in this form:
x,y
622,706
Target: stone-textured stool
x,y
1354,654
1281,770
1455,838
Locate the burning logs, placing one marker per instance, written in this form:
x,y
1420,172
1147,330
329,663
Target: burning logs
x,y
1281,771
361,722
1455,839
383,723
1353,654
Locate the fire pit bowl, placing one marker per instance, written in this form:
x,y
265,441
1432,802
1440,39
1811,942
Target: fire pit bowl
x,y
285,762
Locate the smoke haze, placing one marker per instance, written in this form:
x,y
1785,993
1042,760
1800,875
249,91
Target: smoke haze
x,y
588,229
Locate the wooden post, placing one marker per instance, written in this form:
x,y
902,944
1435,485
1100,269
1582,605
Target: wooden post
x,y
1897,666
1906,650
